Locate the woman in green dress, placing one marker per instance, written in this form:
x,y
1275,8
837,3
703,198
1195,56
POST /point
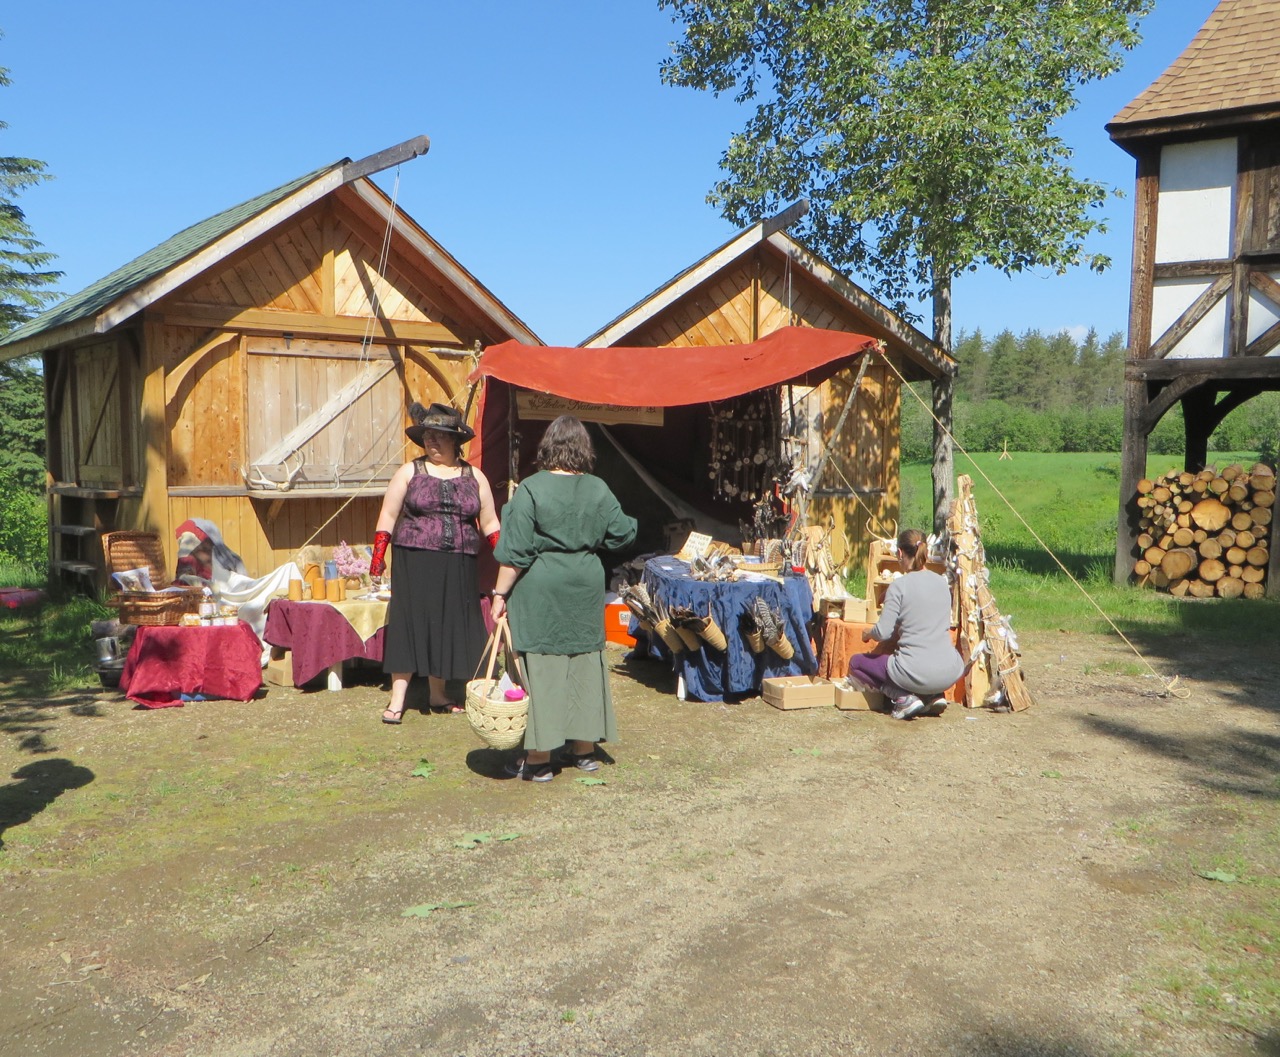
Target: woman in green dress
x,y
553,582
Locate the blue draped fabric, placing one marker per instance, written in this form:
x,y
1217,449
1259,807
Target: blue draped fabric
x,y
710,675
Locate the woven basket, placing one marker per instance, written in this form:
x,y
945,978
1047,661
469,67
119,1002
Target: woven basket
x,y
709,632
755,641
689,637
136,550
667,634
498,722
783,648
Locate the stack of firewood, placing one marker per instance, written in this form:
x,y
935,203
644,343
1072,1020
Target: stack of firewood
x,y
1206,534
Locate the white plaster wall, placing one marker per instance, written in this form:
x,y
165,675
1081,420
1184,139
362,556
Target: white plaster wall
x,y
1172,297
1195,214
1263,314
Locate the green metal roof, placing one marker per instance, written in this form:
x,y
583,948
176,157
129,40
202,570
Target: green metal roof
x,y
186,243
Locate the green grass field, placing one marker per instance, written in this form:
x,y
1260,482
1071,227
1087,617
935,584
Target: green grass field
x,y
1071,502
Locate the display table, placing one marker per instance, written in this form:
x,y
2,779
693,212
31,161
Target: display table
x,y
322,635
842,639
165,663
711,675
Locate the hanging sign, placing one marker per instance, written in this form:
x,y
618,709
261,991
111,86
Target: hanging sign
x,y
543,407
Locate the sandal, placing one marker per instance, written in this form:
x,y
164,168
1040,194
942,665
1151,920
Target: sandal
x,y
390,715
522,769
584,761
449,708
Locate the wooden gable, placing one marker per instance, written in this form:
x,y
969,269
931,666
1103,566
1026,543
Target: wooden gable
x,y
764,280
256,370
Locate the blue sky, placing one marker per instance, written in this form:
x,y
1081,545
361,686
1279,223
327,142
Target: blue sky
x,y
561,172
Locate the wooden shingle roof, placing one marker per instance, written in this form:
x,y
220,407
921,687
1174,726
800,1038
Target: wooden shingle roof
x,y
1229,67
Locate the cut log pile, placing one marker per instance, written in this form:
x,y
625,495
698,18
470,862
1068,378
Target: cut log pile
x,y
1206,534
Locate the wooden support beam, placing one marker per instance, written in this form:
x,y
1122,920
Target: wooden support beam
x,y
1232,368
173,381
782,221
1196,311
386,159
1156,407
307,324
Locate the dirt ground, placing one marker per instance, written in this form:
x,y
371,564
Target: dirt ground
x,y
230,879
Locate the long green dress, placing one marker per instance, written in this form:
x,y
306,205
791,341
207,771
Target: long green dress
x,y
552,529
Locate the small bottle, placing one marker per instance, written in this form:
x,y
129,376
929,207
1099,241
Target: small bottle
x,y
208,608
515,694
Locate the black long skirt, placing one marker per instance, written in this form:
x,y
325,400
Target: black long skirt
x,y
434,625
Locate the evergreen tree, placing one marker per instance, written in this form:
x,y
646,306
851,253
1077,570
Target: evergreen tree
x,y
25,281
1060,372
974,358
22,424
1112,370
1089,383
1005,368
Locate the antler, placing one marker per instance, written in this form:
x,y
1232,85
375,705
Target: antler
x,y
262,481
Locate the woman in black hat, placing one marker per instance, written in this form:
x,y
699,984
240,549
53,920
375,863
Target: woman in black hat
x,y
434,513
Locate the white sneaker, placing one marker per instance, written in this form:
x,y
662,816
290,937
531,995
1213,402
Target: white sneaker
x,y
908,706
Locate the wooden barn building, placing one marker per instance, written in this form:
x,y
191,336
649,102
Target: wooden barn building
x,y
255,370
764,279
1204,322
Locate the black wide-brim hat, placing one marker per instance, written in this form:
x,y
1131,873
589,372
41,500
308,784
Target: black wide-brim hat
x,y
440,417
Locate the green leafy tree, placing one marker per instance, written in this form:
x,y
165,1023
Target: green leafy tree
x,y
25,280
922,131
22,424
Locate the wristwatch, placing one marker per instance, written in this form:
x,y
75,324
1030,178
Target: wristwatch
x,y
498,594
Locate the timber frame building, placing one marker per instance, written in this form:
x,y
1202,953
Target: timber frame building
x,y
1204,318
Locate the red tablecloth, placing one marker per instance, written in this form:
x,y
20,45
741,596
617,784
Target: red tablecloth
x,y
167,662
319,637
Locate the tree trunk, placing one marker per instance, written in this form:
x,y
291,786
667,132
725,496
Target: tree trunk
x,y
943,392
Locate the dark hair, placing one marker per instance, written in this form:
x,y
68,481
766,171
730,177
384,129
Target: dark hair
x,y
913,546
566,445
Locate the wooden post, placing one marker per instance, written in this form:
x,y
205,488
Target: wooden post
x,y
1133,467
1133,459
943,395
153,513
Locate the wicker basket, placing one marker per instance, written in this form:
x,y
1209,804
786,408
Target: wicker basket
x,y
137,550
499,722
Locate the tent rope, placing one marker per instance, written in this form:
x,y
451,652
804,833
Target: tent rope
x,y
375,304
1171,686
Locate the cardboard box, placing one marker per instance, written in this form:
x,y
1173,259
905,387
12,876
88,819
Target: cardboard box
x,y
798,691
848,700
855,610
617,618
279,667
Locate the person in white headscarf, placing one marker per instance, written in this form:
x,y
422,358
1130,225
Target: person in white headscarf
x,y
204,560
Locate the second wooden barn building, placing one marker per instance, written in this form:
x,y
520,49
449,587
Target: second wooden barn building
x,y
255,370
755,285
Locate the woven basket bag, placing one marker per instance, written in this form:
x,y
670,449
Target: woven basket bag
x,y
498,722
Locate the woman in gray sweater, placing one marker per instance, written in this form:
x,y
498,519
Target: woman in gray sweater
x,y
915,622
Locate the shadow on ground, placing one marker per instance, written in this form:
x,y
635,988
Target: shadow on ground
x,y
38,784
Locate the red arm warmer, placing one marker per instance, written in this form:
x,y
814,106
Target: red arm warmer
x,y
378,564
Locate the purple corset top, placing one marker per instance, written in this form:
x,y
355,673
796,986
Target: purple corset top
x,y
440,514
